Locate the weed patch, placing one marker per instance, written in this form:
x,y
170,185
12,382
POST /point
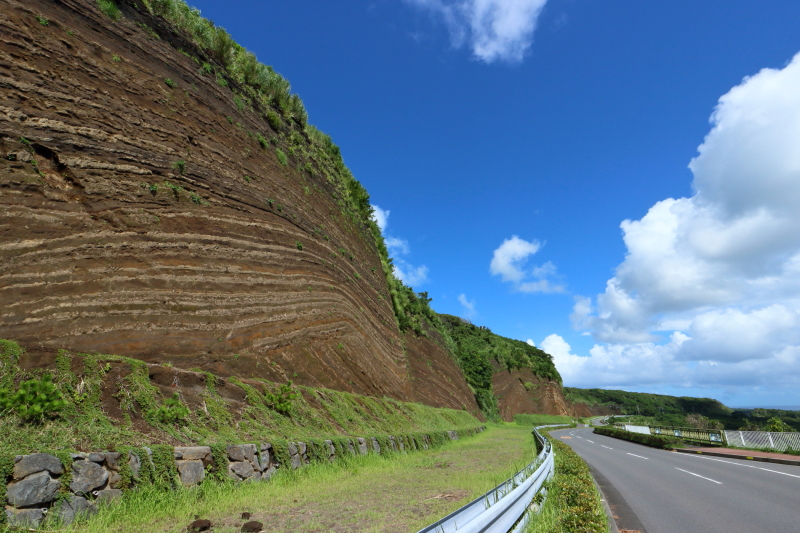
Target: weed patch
x,y
109,8
281,156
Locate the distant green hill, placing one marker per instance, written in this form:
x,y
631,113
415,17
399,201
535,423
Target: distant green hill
x,y
647,404
683,411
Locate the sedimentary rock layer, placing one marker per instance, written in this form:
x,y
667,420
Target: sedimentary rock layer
x,y
143,218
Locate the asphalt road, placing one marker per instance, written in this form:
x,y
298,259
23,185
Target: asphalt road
x,y
670,492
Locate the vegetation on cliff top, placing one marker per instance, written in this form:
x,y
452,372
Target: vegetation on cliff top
x,y
476,347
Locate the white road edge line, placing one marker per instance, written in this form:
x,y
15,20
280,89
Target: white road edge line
x,y
698,475
639,456
607,447
749,466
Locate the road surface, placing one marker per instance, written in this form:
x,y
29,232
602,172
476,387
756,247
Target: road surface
x,y
656,491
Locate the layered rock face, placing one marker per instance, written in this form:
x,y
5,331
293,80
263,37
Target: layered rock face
x,y
520,391
142,213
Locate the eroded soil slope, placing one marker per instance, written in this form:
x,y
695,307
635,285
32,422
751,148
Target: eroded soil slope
x,y
141,216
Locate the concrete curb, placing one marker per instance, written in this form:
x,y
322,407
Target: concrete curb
x,y
612,524
746,457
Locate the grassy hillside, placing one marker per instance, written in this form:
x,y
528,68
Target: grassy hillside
x,y
475,347
99,402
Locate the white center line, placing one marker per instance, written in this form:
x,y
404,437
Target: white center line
x,y
607,447
750,466
639,456
698,475
587,440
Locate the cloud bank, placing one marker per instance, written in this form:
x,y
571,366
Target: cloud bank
x,y
495,30
406,272
509,262
709,291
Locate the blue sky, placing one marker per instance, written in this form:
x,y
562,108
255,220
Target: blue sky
x,y
544,124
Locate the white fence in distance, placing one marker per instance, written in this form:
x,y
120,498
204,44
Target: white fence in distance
x,y
645,430
763,439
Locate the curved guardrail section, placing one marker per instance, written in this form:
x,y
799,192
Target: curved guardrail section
x,y
500,509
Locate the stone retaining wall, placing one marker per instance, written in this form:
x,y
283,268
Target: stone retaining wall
x,y
37,484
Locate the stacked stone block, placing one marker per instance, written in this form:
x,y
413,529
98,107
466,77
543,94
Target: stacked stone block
x,y
36,483
35,487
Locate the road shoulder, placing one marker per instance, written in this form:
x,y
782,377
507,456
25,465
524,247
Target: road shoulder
x,y
750,455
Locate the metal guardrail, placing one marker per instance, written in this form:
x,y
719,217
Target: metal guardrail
x,y
500,509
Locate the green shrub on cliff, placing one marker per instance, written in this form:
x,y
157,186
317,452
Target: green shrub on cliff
x,y
777,425
34,400
282,400
171,411
109,9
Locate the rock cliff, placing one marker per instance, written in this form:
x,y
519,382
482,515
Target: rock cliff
x,y
148,208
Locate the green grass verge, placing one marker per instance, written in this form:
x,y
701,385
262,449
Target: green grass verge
x,y
573,503
542,420
394,493
654,441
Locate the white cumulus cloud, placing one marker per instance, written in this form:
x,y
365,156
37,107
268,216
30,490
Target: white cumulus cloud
x,y
509,262
495,30
468,305
380,216
409,274
722,267
406,272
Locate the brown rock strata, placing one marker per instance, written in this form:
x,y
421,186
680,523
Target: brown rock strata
x,y
540,396
230,262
